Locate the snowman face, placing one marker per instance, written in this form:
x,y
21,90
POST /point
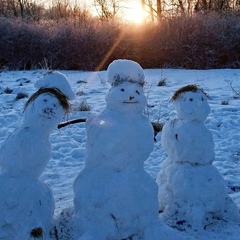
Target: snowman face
x,y
45,110
192,106
126,97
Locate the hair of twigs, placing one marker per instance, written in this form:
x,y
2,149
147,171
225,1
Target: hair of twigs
x,y
187,88
54,92
120,80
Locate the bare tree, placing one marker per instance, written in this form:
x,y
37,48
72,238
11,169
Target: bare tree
x,y
21,8
151,10
107,9
159,9
214,5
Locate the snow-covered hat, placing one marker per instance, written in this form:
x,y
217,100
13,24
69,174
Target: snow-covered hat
x,y
56,80
123,70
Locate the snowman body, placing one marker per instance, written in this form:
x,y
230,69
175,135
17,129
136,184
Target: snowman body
x,y
26,203
191,190
114,197
119,126
178,135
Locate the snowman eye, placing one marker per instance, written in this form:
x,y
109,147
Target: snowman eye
x,y
122,89
202,99
45,100
190,99
137,92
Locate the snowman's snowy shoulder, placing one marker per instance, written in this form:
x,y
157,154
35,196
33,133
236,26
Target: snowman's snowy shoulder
x,y
171,125
12,140
102,122
90,119
26,135
170,131
24,138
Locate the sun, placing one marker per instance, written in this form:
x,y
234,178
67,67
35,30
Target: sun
x,y
134,13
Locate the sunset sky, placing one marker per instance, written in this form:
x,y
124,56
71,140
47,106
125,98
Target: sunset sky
x,y
130,9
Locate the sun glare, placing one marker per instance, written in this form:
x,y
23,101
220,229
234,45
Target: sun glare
x,y
134,14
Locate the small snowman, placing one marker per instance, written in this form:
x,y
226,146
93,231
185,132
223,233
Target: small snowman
x,y
192,193
27,203
115,198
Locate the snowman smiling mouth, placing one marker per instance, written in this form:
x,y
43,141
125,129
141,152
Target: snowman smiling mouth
x,y
49,114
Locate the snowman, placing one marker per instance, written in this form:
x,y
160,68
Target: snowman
x,y
192,193
114,197
27,203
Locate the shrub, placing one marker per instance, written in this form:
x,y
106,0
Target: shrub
x,y
8,90
225,102
162,82
197,41
84,106
21,95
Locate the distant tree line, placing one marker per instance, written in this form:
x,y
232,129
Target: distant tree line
x,y
162,8
154,10
69,37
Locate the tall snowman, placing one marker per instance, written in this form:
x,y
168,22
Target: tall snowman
x,y
27,203
192,193
114,196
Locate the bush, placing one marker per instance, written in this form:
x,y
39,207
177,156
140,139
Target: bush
x,y
83,106
8,90
21,95
162,82
200,41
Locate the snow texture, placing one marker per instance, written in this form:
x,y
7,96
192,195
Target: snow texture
x,y
68,154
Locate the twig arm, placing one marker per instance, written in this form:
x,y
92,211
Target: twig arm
x,y
64,124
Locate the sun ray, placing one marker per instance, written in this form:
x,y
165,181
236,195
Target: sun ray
x,y
134,14
110,51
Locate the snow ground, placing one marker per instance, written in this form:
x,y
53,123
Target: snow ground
x,y
223,87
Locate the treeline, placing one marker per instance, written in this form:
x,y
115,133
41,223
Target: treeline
x,y
109,9
201,40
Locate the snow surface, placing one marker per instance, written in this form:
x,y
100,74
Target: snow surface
x,y
69,143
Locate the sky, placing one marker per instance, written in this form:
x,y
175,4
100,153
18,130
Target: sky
x,y
130,10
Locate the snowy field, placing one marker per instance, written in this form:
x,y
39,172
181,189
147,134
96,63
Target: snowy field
x,y
222,86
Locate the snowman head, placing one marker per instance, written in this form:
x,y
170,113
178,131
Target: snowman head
x,y
191,103
126,93
126,98
46,108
